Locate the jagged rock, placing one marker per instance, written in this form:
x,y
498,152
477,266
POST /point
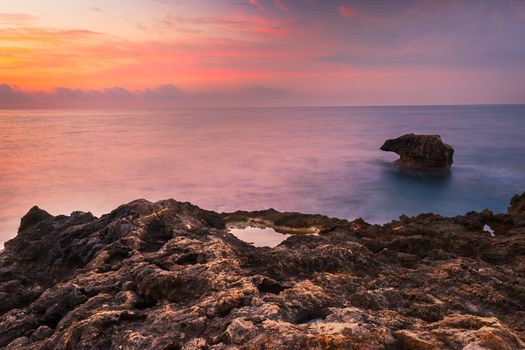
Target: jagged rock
x,y
420,152
517,210
196,344
41,333
461,332
34,216
517,204
240,330
412,341
169,275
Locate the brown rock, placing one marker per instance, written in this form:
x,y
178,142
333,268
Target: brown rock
x,y
169,275
41,333
196,344
240,330
412,341
420,152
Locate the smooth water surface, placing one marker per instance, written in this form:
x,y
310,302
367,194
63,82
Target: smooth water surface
x,y
312,160
259,237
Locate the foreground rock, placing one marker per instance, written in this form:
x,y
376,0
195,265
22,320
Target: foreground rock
x,y
169,275
420,152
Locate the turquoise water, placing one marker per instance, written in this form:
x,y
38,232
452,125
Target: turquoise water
x,y
314,160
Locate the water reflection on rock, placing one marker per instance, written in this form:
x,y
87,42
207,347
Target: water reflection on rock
x,y
259,237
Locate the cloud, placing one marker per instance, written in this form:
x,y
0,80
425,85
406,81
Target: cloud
x,y
12,97
280,5
269,4
436,50
221,49
237,24
163,96
95,9
163,92
346,11
256,3
519,8
16,18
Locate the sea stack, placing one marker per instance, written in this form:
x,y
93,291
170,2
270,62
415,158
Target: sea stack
x,y
420,152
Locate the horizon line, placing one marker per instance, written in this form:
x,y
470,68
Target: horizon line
x,y
259,107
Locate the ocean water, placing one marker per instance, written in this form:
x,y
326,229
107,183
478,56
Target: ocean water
x,y
312,160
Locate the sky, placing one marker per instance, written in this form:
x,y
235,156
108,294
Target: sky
x,y
205,53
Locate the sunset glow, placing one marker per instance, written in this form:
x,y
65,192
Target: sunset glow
x,y
278,52
262,174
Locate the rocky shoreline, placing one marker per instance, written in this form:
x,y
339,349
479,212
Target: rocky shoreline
x,y
169,275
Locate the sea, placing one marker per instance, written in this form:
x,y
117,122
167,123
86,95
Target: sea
x,y
313,160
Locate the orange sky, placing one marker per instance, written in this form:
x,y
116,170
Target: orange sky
x,y
264,52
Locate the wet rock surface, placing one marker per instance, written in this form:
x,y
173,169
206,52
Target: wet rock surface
x,y
169,275
420,152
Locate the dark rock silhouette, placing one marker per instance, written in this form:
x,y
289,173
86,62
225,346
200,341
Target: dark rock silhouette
x,y
420,152
169,275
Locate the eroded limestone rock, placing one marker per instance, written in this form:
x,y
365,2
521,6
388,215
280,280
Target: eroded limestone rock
x,y
169,275
420,152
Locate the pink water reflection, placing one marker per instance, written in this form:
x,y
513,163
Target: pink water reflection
x,y
312,160
222,160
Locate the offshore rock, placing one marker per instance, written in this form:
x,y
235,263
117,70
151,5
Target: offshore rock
x,y
169,275
420,152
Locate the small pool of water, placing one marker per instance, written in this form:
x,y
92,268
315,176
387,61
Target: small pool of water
x,y
259,237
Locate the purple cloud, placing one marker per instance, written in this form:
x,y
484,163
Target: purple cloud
x,y
164,96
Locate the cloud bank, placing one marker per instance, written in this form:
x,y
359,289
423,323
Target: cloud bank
x,y
161,97
319,52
